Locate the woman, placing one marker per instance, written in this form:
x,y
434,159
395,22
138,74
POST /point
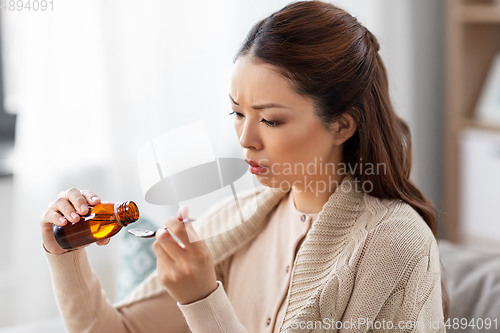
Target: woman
x,y
341,239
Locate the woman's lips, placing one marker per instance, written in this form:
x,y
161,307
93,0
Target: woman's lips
x,y
257,170
255,167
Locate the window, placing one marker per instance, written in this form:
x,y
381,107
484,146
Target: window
x,y
7,130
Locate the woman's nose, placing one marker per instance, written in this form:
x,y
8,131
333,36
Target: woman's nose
x,y
249,136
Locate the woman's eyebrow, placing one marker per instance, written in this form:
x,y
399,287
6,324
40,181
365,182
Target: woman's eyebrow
x,y
262,106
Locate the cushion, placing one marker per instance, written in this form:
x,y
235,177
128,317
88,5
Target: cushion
x,y
472,278
137,259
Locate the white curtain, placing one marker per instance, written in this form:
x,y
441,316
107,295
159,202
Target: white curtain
x,y
56,81
93,81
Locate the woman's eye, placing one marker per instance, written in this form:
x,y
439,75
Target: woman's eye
x,y
266,122
238,115
270,123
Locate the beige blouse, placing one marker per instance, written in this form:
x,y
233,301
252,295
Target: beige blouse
x,y
257,276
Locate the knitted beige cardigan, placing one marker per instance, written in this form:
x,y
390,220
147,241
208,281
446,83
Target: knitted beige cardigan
x,y
364,259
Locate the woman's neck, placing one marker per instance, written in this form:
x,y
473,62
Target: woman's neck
x,y
312,199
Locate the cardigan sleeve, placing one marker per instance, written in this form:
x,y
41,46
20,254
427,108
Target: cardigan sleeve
x,y
397,285
84,306
213,314
416,306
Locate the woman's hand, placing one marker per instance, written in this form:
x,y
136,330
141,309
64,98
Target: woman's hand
x,y
188,274
68,206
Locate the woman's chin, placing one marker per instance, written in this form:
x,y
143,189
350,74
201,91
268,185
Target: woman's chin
x,y
272,182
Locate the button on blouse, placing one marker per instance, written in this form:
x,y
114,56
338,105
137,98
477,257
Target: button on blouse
x,y
258,275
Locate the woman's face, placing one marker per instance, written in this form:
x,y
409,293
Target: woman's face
x,y
278,128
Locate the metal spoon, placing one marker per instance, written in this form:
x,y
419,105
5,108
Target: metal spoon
x,y
145,233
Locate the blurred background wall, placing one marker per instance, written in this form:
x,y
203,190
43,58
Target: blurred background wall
x,y
90,82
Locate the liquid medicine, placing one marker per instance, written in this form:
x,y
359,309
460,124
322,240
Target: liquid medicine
x,y
104,220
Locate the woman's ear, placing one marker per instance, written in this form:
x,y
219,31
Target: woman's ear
x,y
343,128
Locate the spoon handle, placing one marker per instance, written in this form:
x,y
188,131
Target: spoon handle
x,y
178,241
181,244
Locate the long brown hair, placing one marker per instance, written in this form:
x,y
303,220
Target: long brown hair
x,y
330,57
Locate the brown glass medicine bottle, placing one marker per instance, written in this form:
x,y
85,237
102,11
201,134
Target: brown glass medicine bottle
x,y
103,220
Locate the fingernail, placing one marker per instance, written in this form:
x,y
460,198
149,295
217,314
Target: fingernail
x,y
83,208
74,215
62,219
95,198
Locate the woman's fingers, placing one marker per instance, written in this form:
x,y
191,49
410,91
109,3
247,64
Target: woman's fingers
x,y
159,250
192,235
169,245
67,207
183,213
71,204
104,241
167,248
187,273
63,206
52,217
78,201
177,227
92,198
